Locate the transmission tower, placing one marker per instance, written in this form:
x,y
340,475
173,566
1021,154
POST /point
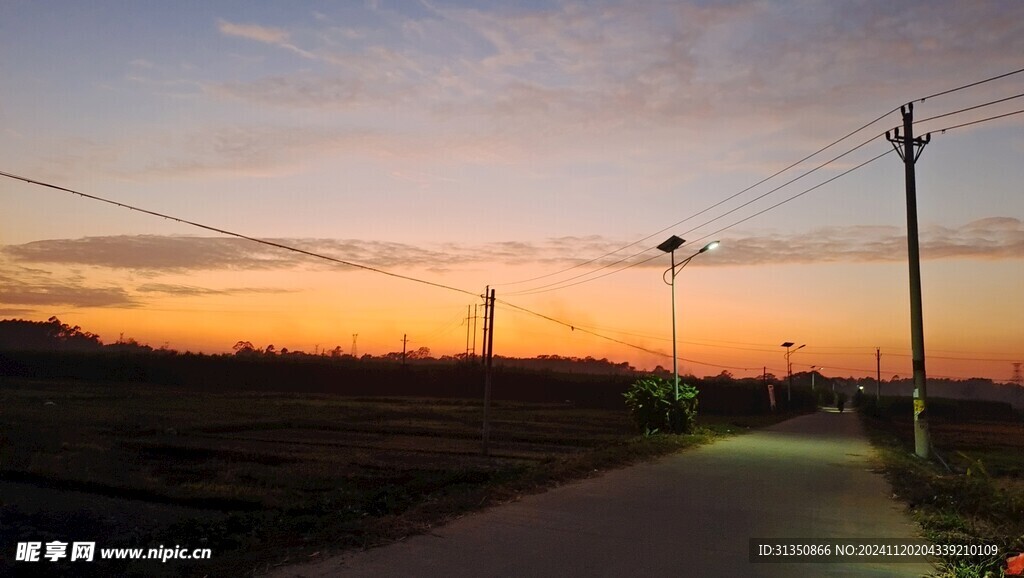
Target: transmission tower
x,y
355,336
1017,378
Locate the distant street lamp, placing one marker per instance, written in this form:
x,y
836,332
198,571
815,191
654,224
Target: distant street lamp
x,y
812,375
669,246
789,368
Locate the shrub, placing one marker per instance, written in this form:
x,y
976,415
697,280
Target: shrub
x,y
653,405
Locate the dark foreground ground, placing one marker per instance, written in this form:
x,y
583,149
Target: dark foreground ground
x,y
810,480
264,479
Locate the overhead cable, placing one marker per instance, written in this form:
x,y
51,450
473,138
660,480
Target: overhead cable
x,y
238,235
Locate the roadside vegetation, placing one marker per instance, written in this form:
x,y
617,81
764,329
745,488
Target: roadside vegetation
x,y
972,492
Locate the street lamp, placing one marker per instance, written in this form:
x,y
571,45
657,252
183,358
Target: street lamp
x,y
813,368
669,246
789,368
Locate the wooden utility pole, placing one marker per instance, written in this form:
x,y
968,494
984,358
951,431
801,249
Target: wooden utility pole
x,y
468,329
474,330
405,341
878,374
488,354
909,152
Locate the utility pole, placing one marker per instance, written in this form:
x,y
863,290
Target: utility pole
x,y
910,151
468,309
355,353
405,340
488,355
474,329
878,374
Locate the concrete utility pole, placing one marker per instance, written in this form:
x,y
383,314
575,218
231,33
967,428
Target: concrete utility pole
x,y
909,152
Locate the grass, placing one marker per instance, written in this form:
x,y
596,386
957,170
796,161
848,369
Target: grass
x,y
981,501
272,479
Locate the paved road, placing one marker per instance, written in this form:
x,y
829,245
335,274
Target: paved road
x,y
690,514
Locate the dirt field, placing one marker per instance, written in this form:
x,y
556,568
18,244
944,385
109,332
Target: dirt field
x,y
256,478
997,446
975,496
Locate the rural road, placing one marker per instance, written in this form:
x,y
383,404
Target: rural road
x,y
689,514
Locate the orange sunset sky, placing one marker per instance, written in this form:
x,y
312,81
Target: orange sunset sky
x,y
536,147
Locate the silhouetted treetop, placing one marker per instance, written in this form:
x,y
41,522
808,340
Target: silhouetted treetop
x,y
49,335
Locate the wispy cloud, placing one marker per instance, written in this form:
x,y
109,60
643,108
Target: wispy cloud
x,y
12,312
150,252
36,292
990,238
265,34
647,63
176,290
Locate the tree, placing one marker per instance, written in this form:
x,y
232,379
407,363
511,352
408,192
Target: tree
x,y
724,377
421,353
245,348
18,334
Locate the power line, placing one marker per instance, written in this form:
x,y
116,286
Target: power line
x,y
761,212
725,200
971,85
553,287
979,121
762,181
238,235
704,224
573,327
969,108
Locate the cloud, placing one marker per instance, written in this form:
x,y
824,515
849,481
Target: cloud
x,y
193,291
989,238
11,312
150,252
33,292
653,68
265,34
181,254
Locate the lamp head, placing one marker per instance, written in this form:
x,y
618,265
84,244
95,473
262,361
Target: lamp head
x,y
710,246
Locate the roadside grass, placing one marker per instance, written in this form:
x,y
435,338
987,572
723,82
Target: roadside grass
x,y
980,502
266,480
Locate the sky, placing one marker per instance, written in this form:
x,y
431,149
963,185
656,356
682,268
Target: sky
x,y
534,147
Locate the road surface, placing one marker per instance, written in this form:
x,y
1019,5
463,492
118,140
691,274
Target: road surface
x,y
689,514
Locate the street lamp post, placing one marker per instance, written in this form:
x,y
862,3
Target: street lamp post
x,y
789,368
814,368
669,246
